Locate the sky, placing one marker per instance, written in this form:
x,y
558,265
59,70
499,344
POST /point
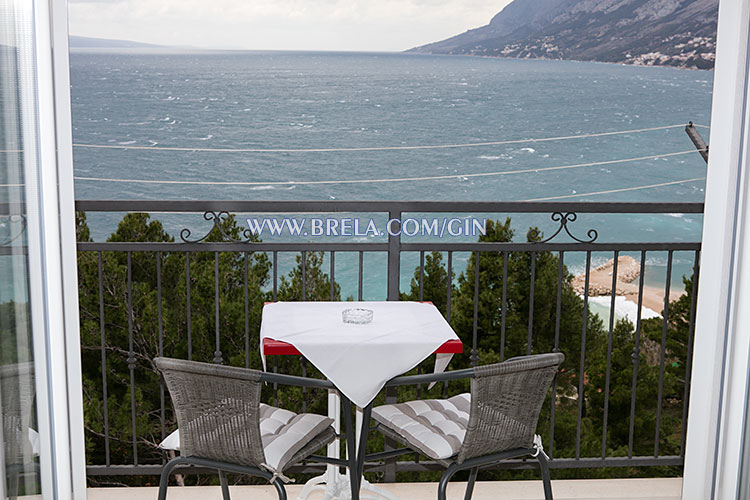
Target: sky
x,y
345,25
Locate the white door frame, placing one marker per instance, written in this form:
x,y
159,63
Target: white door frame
x,y
719,380
68,241
53,286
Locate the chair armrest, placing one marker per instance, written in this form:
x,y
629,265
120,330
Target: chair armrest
x,y
520,358
431,377
239,373
280,378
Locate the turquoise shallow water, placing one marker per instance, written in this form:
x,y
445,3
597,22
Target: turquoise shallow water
x,y
340,100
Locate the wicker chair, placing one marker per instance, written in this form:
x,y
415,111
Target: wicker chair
x,y
223,425
17,392
496,421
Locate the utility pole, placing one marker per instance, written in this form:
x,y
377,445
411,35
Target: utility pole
x,y
700,144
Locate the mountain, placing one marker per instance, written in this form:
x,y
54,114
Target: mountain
x,y
678,33
82,42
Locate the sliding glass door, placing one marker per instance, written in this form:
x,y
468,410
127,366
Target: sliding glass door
x,y
41,443
19,435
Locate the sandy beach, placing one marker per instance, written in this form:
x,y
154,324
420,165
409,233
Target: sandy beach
x,y
628,271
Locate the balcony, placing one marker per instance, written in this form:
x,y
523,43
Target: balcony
x,y
192,286
572,489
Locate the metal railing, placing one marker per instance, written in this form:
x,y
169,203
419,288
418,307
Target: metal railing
x,y
573,394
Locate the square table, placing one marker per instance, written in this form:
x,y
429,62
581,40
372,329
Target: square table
x,y
358,358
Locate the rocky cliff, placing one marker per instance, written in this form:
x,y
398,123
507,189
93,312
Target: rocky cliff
x,y
647,32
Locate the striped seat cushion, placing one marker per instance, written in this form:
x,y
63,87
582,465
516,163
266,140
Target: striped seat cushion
x,y
434,427
283,433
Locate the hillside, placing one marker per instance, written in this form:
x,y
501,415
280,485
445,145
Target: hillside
x,y
82,42
678,33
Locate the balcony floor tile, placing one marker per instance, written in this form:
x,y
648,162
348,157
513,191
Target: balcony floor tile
x,y
579,489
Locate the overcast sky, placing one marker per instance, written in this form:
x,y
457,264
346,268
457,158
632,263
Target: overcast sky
x,y
360,25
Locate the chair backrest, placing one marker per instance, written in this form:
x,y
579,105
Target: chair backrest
x,y
506,399
17,392
218,410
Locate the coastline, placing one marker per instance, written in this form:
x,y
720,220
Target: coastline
x,y
628,272
633,63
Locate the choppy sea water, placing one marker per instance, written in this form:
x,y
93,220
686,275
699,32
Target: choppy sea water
x,y
284,100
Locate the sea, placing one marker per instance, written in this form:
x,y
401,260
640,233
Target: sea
x,y
214,100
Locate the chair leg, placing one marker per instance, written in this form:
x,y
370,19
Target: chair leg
x,y
470,483
224,485
544,465
165,473
279,489
443,486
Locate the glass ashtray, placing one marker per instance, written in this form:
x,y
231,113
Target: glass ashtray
x,y
357,316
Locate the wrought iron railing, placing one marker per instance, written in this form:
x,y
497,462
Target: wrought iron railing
x,y
583,394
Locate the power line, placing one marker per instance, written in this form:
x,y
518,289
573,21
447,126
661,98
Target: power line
x,y
374,148
621,190
384,148
374,181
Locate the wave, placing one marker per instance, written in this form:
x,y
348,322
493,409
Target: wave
x,y
623,308
501,156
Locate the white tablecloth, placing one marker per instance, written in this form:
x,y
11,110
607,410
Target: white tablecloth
x,y
359,359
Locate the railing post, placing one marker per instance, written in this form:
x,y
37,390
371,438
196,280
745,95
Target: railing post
x,y
394,275
394,255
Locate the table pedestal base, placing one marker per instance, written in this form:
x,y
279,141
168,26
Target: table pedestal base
x,y
335,486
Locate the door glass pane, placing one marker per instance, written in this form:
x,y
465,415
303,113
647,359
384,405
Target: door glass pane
x,y
20,440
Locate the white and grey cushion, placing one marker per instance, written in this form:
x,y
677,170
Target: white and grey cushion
x,y
434,427
283,433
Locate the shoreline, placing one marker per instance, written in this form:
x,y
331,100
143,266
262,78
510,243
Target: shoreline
x,y
414,50
628,272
